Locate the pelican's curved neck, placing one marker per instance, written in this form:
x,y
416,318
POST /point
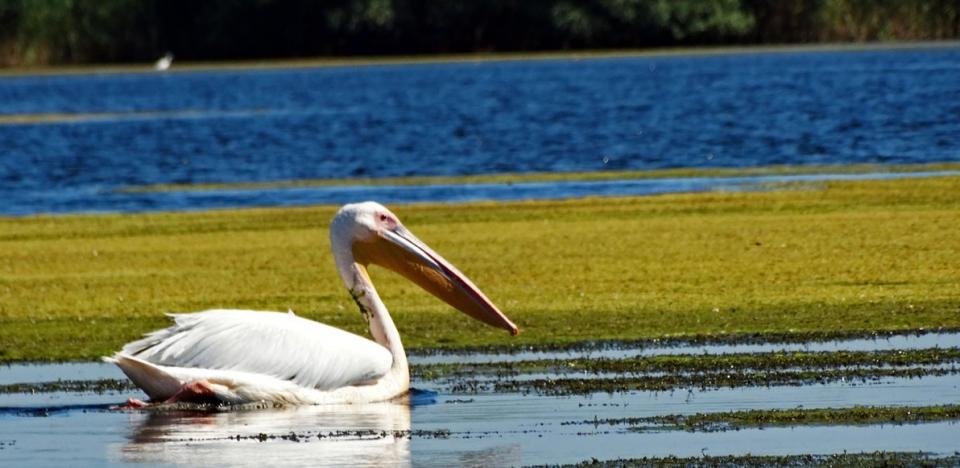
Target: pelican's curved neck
x,y
374,311
382,328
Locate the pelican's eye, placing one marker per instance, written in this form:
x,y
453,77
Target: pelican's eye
x,y
387,221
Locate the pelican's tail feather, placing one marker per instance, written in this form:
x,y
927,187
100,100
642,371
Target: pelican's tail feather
x,y
154,380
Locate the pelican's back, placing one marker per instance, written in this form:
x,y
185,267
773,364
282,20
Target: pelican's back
x,y
280,345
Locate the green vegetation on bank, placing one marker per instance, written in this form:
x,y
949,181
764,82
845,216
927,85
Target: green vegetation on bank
x,y
849,257
110,31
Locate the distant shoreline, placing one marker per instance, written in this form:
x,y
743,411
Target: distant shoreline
x,y
324,62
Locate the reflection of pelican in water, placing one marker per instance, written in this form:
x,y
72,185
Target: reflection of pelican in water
x,y
242,356
363,435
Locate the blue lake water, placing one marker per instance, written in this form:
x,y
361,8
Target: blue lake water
x,y
897,106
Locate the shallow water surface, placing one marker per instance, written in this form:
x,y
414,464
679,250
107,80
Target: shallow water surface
x,y
480,430
437,428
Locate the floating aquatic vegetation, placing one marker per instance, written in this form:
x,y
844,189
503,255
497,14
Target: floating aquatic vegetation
x,y
100,386
694,363
701,381
890,459
583,375
792,337
735,420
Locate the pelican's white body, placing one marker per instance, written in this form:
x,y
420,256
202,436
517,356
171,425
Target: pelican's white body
x,y
251,356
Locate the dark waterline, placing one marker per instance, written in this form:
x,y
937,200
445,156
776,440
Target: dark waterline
x,y
734,110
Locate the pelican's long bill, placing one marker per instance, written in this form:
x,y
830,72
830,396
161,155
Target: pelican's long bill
x,y
399,250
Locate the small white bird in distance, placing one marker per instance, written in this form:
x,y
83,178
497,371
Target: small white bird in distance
x,y
163,63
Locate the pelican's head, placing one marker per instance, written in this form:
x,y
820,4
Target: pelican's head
x,y
364,233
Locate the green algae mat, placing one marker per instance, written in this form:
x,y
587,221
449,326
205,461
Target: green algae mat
x,y
821,259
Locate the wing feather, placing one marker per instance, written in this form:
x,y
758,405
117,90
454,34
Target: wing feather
x,y
277,344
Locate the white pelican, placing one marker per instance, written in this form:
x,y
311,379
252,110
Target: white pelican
x,y
241,356
163,63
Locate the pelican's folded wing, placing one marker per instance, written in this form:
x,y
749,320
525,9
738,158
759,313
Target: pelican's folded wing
x,y
281,345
